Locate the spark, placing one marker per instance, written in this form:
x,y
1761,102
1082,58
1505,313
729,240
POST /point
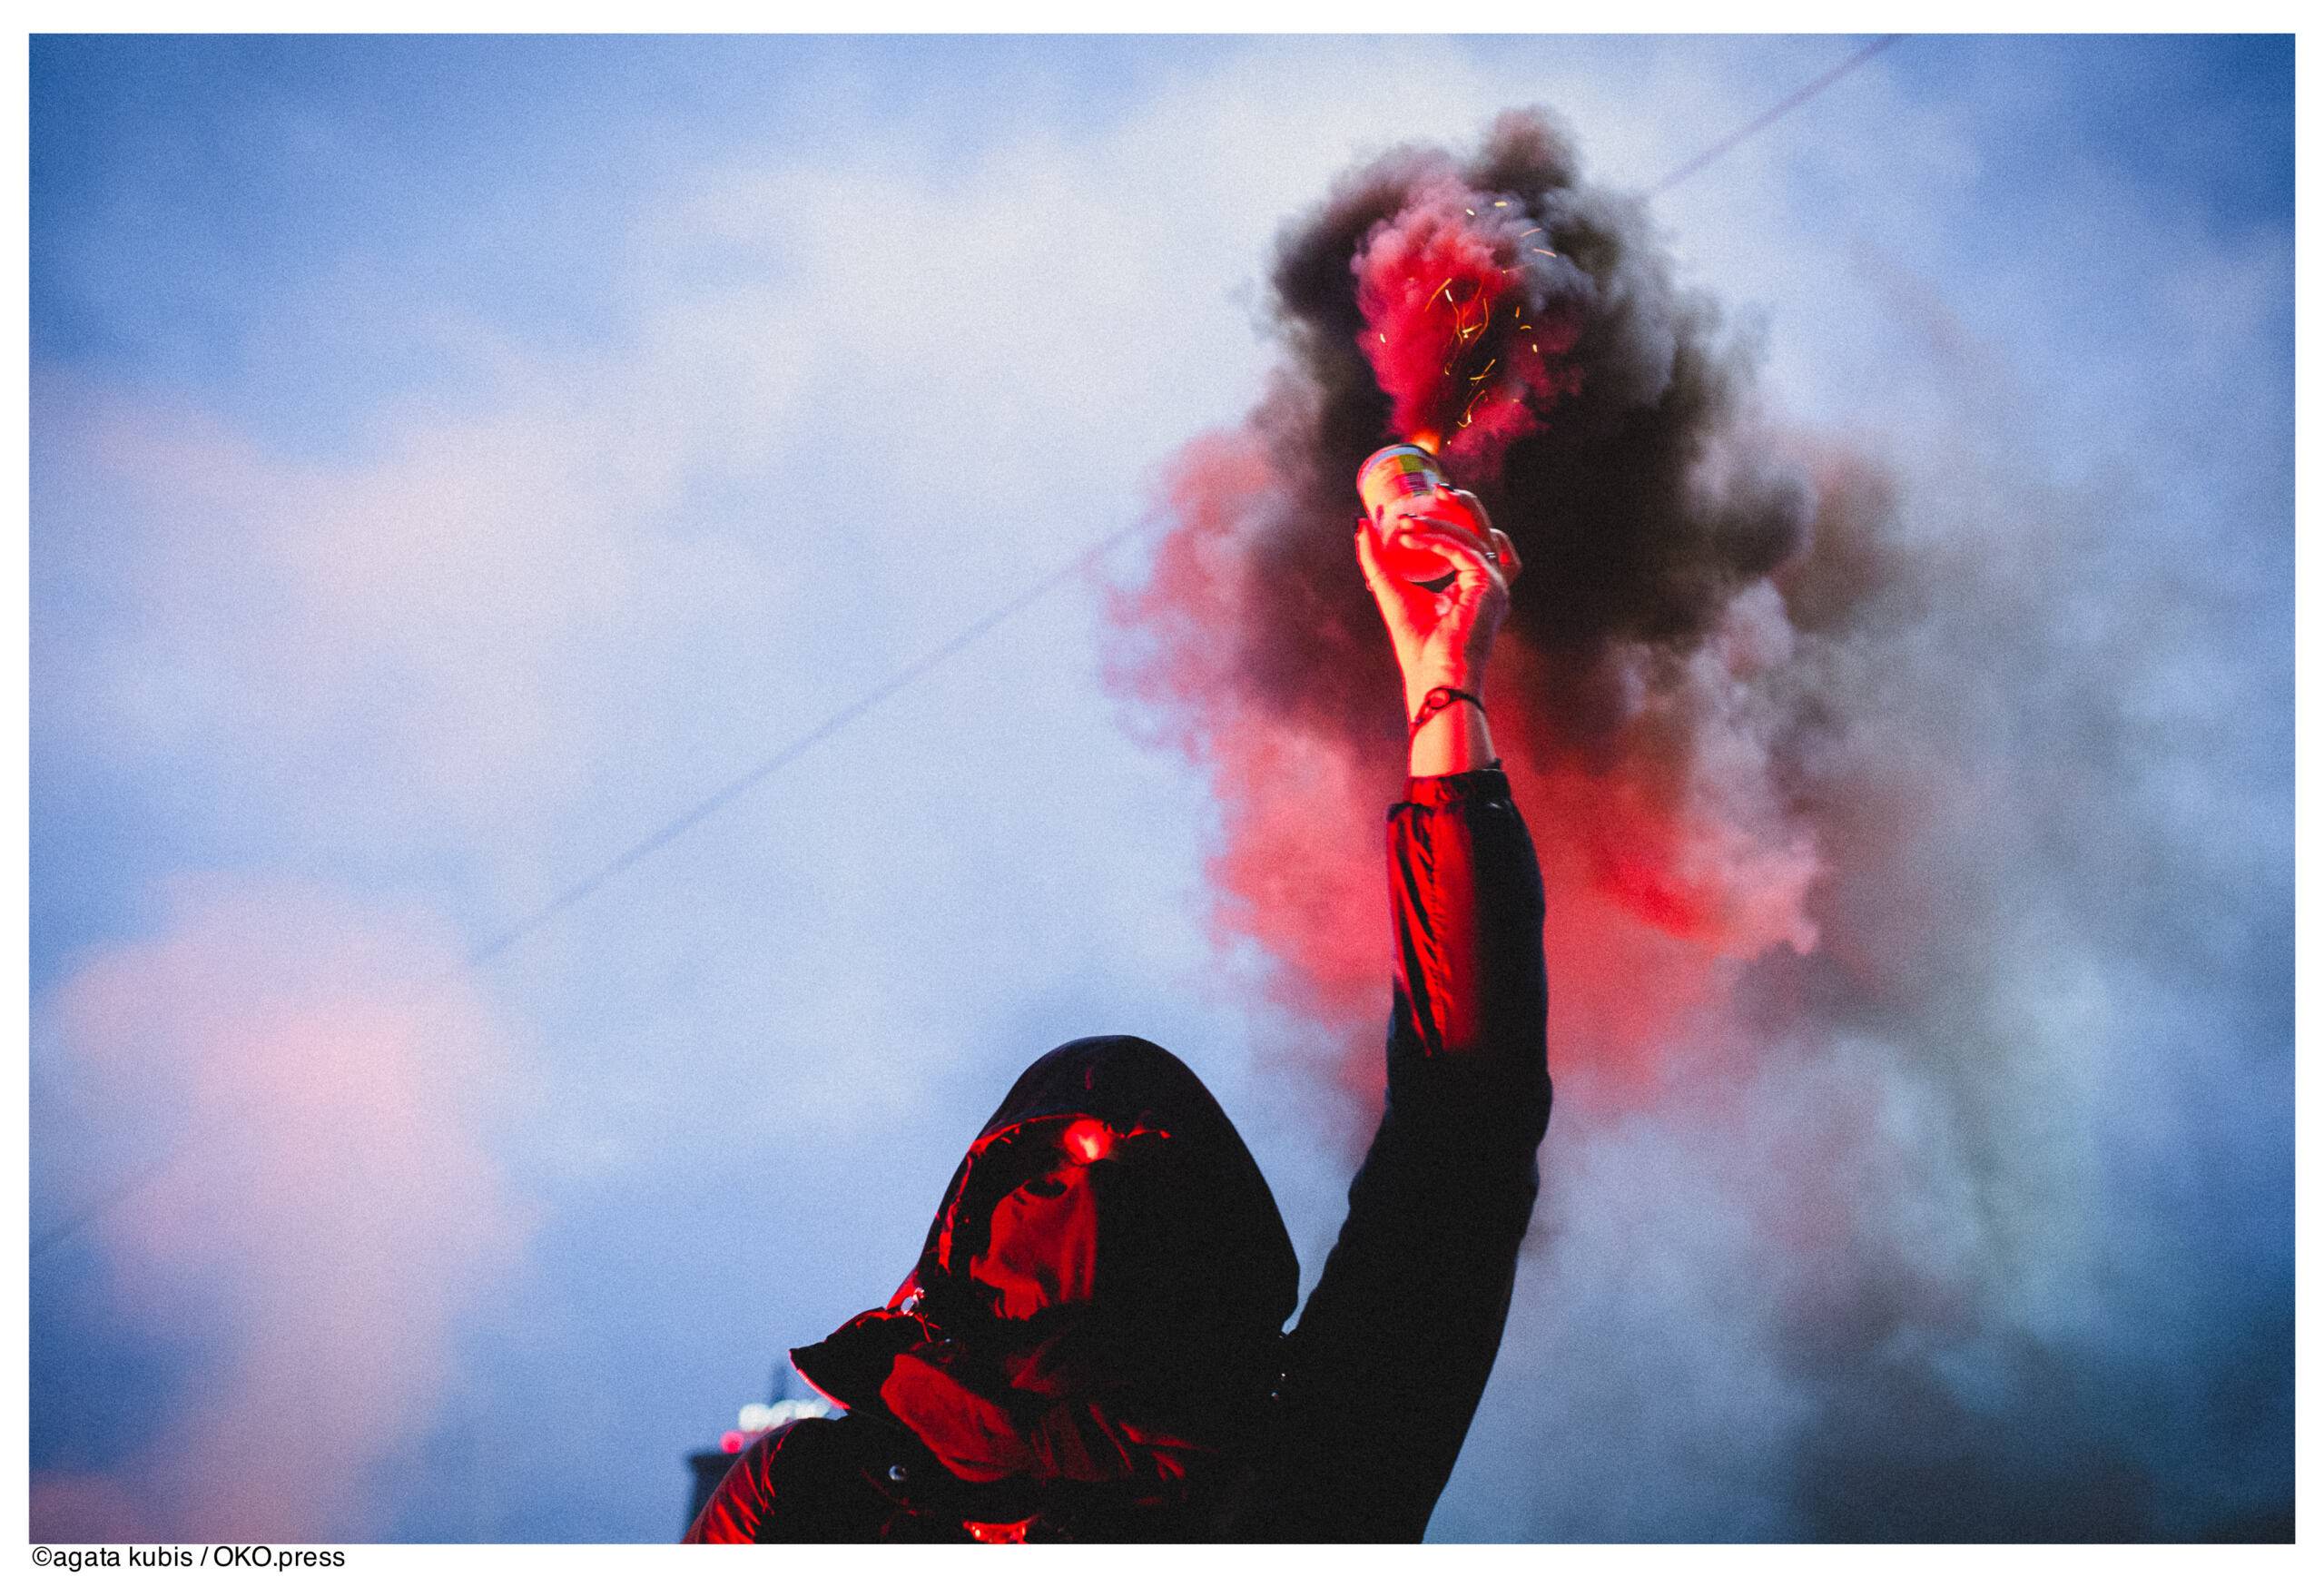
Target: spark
x,y
1466,416
1501,202
1489,365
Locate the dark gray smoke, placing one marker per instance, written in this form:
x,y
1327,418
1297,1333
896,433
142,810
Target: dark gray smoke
x,y
1638,508
1918,857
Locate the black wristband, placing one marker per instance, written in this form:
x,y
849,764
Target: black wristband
x,y
1437,700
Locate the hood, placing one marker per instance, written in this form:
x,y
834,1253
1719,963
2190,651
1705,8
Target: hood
x,y
1189,1270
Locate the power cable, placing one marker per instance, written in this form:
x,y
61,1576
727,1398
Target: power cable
x,y
677,826
671,829
1800,96
966,637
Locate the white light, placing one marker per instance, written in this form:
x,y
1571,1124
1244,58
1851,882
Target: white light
x,y
757,1417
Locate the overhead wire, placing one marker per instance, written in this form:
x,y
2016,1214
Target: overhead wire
x,y
677,826
970,633
1774,112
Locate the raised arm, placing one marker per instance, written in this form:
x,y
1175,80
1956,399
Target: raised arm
x,y
1394,1350
1443,638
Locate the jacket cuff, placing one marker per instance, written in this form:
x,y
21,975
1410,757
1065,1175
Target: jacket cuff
x,y
1484,784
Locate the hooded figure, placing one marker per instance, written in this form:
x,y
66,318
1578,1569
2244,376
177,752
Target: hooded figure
x,y
1091,1344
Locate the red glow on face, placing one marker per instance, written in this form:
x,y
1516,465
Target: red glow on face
x,y
1000,1533
1088,1141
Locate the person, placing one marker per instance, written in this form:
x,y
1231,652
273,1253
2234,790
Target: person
x,y
1090,1346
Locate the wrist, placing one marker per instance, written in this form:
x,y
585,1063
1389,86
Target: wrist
x,y
1453,738
1418,688
1442,698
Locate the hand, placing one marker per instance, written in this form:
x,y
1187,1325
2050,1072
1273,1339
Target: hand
x,y
1443,638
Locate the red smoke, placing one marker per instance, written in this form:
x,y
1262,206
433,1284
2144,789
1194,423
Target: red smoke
x,y
326,1226
1642,693
1296,866
1658,885
1463,323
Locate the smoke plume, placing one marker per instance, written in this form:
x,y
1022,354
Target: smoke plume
x,y
1639,694
1884,921
323,1212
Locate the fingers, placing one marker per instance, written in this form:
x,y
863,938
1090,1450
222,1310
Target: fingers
x,y
1496,540
1471,558
1478,524
1398,599
1505,552
1367,558
1464,512
1417,524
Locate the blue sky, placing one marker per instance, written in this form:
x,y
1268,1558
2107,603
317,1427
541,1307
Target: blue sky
x,y
452,458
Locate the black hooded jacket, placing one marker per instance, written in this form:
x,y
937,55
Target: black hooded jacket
x,y
1168,1405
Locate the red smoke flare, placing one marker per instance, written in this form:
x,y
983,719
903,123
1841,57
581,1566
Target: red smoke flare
x,y
1641,691
1468,318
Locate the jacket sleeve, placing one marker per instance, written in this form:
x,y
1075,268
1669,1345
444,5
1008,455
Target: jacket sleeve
x,y
739,1507
1386,1367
